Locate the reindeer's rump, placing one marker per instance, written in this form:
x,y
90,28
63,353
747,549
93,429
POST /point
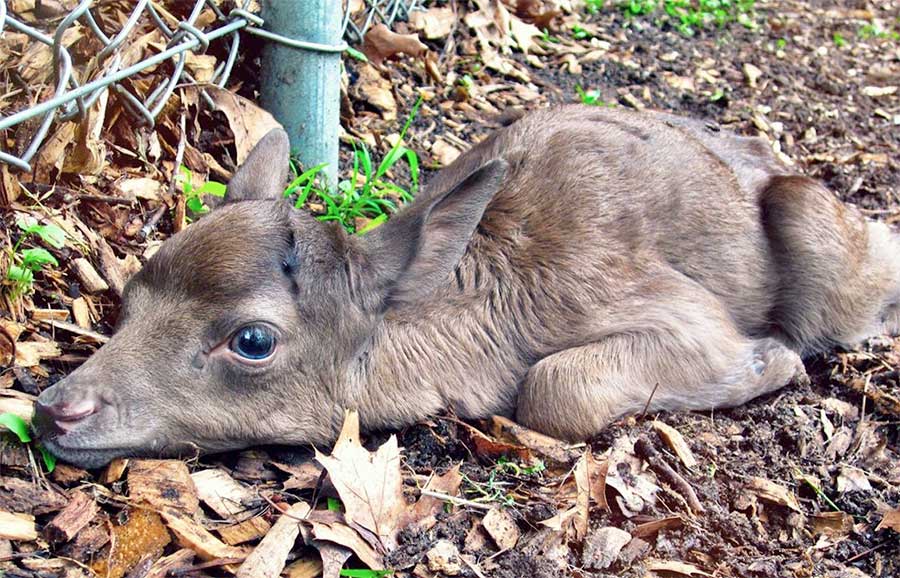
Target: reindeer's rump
x,y
631,189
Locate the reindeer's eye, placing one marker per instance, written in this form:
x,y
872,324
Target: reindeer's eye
x,y
254,342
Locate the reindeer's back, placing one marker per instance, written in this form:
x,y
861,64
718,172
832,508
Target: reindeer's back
x,y
609,195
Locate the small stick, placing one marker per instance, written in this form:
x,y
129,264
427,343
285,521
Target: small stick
x,y
454,500
150,225
649,399
658,463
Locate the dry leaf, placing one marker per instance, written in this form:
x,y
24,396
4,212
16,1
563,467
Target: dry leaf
x,y
673,438
852,480
381,43
435,22
267,559
832,524
675,567
305,569
222,493
143,188
88,156
654,526
501,528
541,445
248,122
491,449
424,513
330,527
602,547
772,492
369,484
890,520
246,531
378,91
31,353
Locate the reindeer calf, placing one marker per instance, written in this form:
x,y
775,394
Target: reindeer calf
x,y
558,271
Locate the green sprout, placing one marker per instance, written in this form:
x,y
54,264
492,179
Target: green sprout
x,y
19,427
591,97
25,263
193,196
593,6
580,33
687,16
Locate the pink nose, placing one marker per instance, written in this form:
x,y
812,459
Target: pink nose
x,y
59,417
70,411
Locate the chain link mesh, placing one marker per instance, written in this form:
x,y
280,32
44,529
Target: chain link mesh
x,y
71,99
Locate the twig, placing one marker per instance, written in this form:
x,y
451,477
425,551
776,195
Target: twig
x,y
211,564
649,399
864,553
454,500
150,225
658,463
75,329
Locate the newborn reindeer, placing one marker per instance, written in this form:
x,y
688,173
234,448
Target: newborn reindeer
x,y
568,270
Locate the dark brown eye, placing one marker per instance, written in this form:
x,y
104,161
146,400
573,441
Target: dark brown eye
x,y
254,342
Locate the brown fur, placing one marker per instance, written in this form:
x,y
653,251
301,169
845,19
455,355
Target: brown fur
x,y
560,271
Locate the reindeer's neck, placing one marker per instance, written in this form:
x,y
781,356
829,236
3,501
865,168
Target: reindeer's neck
x,y
450,356
466,348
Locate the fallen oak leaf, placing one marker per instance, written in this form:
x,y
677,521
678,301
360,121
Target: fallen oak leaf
x,y
369,484
550,449
676,443
772,492
648,529
268,559
248,122
424,512
325,526
380,43
890,520
435,22
602,547
501,528
832,524
676,567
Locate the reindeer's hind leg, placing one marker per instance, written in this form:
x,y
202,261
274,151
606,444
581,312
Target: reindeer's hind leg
x,y
672,346
839,275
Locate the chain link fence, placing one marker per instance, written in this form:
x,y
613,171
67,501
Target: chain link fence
x,y
205,24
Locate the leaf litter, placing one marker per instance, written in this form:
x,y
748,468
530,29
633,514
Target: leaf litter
x,y
803,482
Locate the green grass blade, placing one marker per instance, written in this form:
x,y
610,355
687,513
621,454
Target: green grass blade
x,y
17,425
372,224
48,459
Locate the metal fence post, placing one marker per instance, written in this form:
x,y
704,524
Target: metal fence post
x,y
301,87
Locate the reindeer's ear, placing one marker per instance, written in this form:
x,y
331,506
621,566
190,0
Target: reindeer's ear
x,y
263,174
416,250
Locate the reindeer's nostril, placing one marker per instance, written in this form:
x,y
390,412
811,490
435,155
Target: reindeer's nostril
x,y
54,418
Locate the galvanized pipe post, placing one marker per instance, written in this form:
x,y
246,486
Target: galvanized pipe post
x,y
301,86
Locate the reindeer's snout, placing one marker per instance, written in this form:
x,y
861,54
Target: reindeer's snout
x,y
55,415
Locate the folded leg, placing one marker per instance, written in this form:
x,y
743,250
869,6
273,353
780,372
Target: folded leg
x,y
673,337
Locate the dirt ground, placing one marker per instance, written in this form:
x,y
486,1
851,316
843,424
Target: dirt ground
x,y
803,482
